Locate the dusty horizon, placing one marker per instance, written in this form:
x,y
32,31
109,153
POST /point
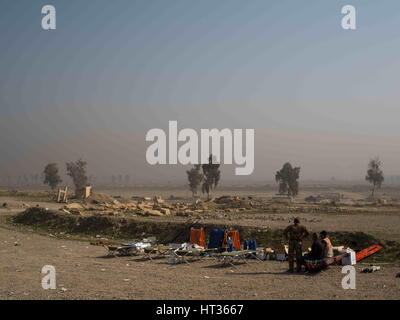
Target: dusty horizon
x,y
323,157
318,96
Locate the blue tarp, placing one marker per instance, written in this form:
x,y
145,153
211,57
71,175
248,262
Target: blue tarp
x,y
216,238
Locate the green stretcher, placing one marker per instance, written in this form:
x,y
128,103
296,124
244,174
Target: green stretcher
x,y
157,250
114,250
229,257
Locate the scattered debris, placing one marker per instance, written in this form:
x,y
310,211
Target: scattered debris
x,y
157,199
370,269
312,199
327,198
83,193
62,195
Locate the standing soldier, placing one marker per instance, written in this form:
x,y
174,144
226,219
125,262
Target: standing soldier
x,y
295,233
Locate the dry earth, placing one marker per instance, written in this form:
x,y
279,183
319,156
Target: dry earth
x,y
85,273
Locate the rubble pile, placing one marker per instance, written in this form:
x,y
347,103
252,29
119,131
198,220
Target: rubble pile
x,y
230,203
319,209
157,206
325,198
145,206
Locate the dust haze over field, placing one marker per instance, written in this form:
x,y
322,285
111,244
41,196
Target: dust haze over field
x,y
317,96
320,96
321,157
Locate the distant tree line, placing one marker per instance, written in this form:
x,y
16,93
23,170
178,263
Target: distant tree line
x,y
76,170
208,176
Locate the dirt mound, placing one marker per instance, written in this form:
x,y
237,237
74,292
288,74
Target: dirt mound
x,y
99,198
128,227
51,220
32,216
354,240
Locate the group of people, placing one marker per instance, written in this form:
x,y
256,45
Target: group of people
x,y
321,248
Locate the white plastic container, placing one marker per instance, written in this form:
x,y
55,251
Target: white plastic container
x,y
349,258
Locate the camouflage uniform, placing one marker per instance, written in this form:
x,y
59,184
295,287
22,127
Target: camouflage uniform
x,y
295,234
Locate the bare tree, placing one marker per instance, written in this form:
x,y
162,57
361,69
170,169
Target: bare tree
x,y
195,177
375,175
51,176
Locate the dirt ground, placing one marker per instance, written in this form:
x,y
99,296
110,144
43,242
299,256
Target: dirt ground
x,y
84,272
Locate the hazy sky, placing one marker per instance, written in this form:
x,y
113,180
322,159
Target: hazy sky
x,y
324,98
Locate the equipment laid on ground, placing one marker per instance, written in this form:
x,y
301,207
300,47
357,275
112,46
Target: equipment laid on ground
x,y
367,252
216,239
354,257
370,269
349,257
157,250
121,250
241,255
197,236
233,236
250,245
199,253
281,251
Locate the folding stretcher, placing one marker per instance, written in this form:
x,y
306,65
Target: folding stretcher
x,y
157,250
199,253
227,258
122,250
367,252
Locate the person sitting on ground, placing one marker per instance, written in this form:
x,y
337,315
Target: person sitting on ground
x,y
328,248
314,261
317,249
